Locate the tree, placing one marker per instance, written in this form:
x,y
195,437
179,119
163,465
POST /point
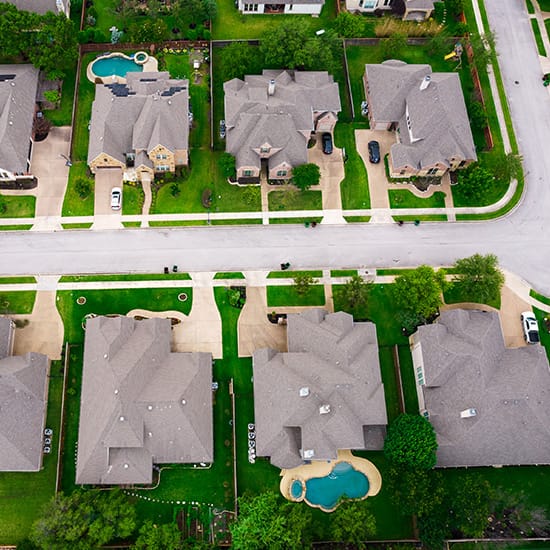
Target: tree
x,y
148,31
226,163
478,115
84,520
456,7
411,442
53,96
392,46
470,505
306,175
433,529
348,25
264,521
303,282
158,537
355,293
504,167
479,277
483,47
239,59
83,187
418,293
473,183
210,8
353,523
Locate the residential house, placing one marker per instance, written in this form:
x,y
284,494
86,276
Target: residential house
x,y
18,93
324,394
23,404
141,127
409,10
489,405
141,404
43,6
310,7
428,112
271,117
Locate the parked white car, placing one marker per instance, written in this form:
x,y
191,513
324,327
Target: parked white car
x,y
530,327
116,198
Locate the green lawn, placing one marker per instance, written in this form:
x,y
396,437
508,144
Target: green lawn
x,y
302,200
538,37
544,5
280,296
17,301
77,225
62,116
229,275
422,218
403,198
544,335
229,23
18,206
16,280
132,201
530,7
343,272
539,297
73,205
86,94
354,188
454,294
125,277
291,274
23,494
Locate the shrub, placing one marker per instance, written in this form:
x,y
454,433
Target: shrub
x,y
227,165
206,198
83,187
306,175
175,190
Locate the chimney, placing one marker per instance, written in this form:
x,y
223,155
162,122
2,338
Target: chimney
x,y
271,87
425,82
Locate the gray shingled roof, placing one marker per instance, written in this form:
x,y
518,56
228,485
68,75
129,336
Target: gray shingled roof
x,y
23,402
284,119
337,361
140,404
467,367
438,116
37,6
7,330
149,110
18,85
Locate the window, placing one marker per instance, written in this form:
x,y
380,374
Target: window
x,y
264,149
281,173
290,7
163,167
432,171
420,375
161,157
462,164
247,173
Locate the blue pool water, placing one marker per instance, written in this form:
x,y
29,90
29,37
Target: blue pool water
x,y
296,489
343,481
115,65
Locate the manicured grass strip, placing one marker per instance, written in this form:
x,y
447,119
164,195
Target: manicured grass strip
x,y
544,334
18,206
132,199
343,272
422,218
23,227
392,271
63,114
73,205
538,37
23,494
301,221
131,224
357,219
354,188
177,223
280,296
454,294
16,280
17,301
76,225
530,7
291,274
408,380
229,275
243,221
403,198
539,297
289,200
122,277
389,380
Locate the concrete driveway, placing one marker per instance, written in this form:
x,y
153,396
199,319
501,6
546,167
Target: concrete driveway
x,y
378,184
104,216
332,173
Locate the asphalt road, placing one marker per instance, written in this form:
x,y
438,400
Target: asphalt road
x,y
520,240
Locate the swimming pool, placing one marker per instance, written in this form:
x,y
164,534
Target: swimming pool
x,y
343,481
115,65
112,67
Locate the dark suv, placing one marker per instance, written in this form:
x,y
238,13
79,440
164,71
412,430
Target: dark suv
x,y
374,152
326,140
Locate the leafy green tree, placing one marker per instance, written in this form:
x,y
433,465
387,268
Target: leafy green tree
x,y
303,282
479,277
355,293
306,175
227,166
83,187
239,59
158,537
433,529
418,292
474,182
391,47
411,442
483,47
470,499
348,25
478,115
84,520
148,31
504,167
265,521
53,96
210,8
353,523
175,190
455,7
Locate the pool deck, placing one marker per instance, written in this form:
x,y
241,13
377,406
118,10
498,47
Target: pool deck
x,y
321,468
150,66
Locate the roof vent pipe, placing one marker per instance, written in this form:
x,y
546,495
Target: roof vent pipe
x,y
271,87
425,82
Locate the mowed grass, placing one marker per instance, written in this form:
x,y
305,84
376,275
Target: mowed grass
x,y
280,296
18,206
73,204
454,294
403,198
23,494
289,200
132,199
17,301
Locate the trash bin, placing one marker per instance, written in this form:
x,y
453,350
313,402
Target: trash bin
x,y
166,270
175,269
